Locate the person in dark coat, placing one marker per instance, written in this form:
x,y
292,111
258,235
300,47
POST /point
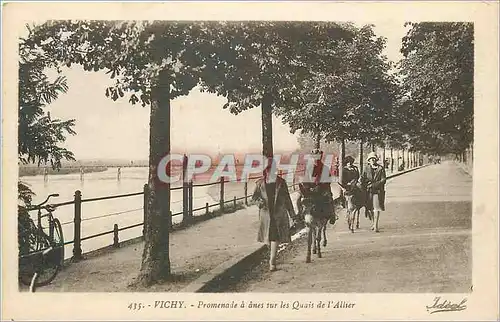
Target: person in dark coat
x,y
350,175
373,180
323,189
275,208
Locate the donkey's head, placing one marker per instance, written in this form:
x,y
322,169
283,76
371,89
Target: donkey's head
x,y
307,198
349,194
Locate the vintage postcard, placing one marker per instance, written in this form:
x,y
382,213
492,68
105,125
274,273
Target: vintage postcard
x,y
250,160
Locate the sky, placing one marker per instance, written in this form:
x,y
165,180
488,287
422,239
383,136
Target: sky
x,y
119,130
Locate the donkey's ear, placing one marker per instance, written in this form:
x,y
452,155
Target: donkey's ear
x,y
302,189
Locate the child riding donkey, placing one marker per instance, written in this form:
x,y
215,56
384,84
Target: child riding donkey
x,y
316,205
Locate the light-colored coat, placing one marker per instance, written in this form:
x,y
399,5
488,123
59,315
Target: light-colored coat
x,y
283,208
377,179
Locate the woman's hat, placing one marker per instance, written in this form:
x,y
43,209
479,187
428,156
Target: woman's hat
x,y
316,151
371,155
348,159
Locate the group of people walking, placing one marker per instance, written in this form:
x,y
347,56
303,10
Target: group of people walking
x,y
275,205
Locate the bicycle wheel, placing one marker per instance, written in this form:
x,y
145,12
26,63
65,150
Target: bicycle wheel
x,y
46,264
50,269
59,240
27,267
54,260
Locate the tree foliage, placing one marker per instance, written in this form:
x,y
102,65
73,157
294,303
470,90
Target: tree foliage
x,y
153,62
351,95
39,135
438,73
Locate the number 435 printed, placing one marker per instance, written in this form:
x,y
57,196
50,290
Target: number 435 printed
x,y
136,306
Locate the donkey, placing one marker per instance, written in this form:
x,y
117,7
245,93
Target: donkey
x,y
355,200
316,210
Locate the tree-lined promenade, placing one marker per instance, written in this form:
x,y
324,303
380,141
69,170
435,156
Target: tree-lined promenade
x,y
327,80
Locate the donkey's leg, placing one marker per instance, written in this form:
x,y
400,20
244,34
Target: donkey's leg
x,y
309,242
323,228
357,217
352,214
314,229
318,239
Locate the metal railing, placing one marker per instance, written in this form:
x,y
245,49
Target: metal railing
x,y
187,210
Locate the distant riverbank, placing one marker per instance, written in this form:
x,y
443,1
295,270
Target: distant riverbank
x,y
35,171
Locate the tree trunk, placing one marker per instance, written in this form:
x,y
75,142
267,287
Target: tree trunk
x,y
361,162
267,129
155,257
403,160
471,156
392,161
267,126
383,157
407,162
397,159
317,143
341,160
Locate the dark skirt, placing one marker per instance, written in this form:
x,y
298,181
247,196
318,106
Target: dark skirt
x,y
273,229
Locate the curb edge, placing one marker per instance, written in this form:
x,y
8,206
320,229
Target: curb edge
x,y
225,270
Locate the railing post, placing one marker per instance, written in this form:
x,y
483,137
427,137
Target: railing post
x,y
206,208
221,200
170,219
77,221
185,200
185,190
246,193
145,208
116,242
234,202
187,211
191,197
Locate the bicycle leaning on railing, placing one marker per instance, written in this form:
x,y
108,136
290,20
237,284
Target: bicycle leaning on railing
x,y
41,251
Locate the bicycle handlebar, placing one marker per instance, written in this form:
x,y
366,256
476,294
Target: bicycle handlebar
x,y
46,200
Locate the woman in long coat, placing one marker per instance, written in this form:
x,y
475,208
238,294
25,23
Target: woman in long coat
x,y
373,180
275,207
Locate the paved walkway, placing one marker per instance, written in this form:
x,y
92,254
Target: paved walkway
x,y
194,251
424,244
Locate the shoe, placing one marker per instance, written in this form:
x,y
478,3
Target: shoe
x,y
272,268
